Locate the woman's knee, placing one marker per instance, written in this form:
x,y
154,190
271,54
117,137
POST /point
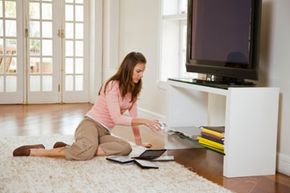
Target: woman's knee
x,y
126,149
116,148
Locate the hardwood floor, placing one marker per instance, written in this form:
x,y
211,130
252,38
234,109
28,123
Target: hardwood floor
x,y
28,120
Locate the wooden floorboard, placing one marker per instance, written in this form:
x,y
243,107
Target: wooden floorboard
x,y
29,120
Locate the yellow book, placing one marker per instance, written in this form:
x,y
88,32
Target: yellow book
x,y
216,133
210,143
213,148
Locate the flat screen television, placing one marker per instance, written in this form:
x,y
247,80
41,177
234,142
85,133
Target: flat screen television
x,y
223,39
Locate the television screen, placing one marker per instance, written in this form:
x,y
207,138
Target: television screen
x,y
223,37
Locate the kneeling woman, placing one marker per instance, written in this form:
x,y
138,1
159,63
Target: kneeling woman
x,y
92,136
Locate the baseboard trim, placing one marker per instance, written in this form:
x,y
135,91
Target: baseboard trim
x,y
284,164
150,115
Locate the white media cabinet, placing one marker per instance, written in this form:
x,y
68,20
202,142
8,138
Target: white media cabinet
x,y
249,114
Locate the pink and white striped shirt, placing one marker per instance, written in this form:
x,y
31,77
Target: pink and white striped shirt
x,y
109,108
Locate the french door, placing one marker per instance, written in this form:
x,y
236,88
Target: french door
x,y
53,64
11,53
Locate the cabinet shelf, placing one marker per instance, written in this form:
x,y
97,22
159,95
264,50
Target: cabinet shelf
x,y
249,114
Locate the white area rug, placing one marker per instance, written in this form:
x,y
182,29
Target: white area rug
x,y
34,174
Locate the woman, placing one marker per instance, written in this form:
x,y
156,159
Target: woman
x,y
92,136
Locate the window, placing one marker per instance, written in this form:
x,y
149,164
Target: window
x,y
173,40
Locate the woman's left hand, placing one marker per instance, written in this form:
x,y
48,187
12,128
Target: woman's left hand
x,y
147,145
139,142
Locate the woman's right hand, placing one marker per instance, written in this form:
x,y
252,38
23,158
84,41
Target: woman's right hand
x,y
154,125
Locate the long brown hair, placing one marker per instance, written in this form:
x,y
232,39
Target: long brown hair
x,y
125,73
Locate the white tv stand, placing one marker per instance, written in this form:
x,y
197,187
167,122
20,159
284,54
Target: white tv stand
x,y
249,114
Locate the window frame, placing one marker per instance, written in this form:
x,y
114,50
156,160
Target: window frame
x,y
180,18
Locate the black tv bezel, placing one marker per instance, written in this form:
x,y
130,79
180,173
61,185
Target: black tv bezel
x,y
211,67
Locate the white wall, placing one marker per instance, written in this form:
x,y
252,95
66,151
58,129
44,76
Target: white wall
x,y
275,62
96,48
139,31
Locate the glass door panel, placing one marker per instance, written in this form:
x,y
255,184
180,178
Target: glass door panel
x,y
42,74
11,90
43,55
75,78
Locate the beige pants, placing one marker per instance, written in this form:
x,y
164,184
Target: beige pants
x,y
89,136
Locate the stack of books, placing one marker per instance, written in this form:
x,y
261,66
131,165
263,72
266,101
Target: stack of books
x,y
212,138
